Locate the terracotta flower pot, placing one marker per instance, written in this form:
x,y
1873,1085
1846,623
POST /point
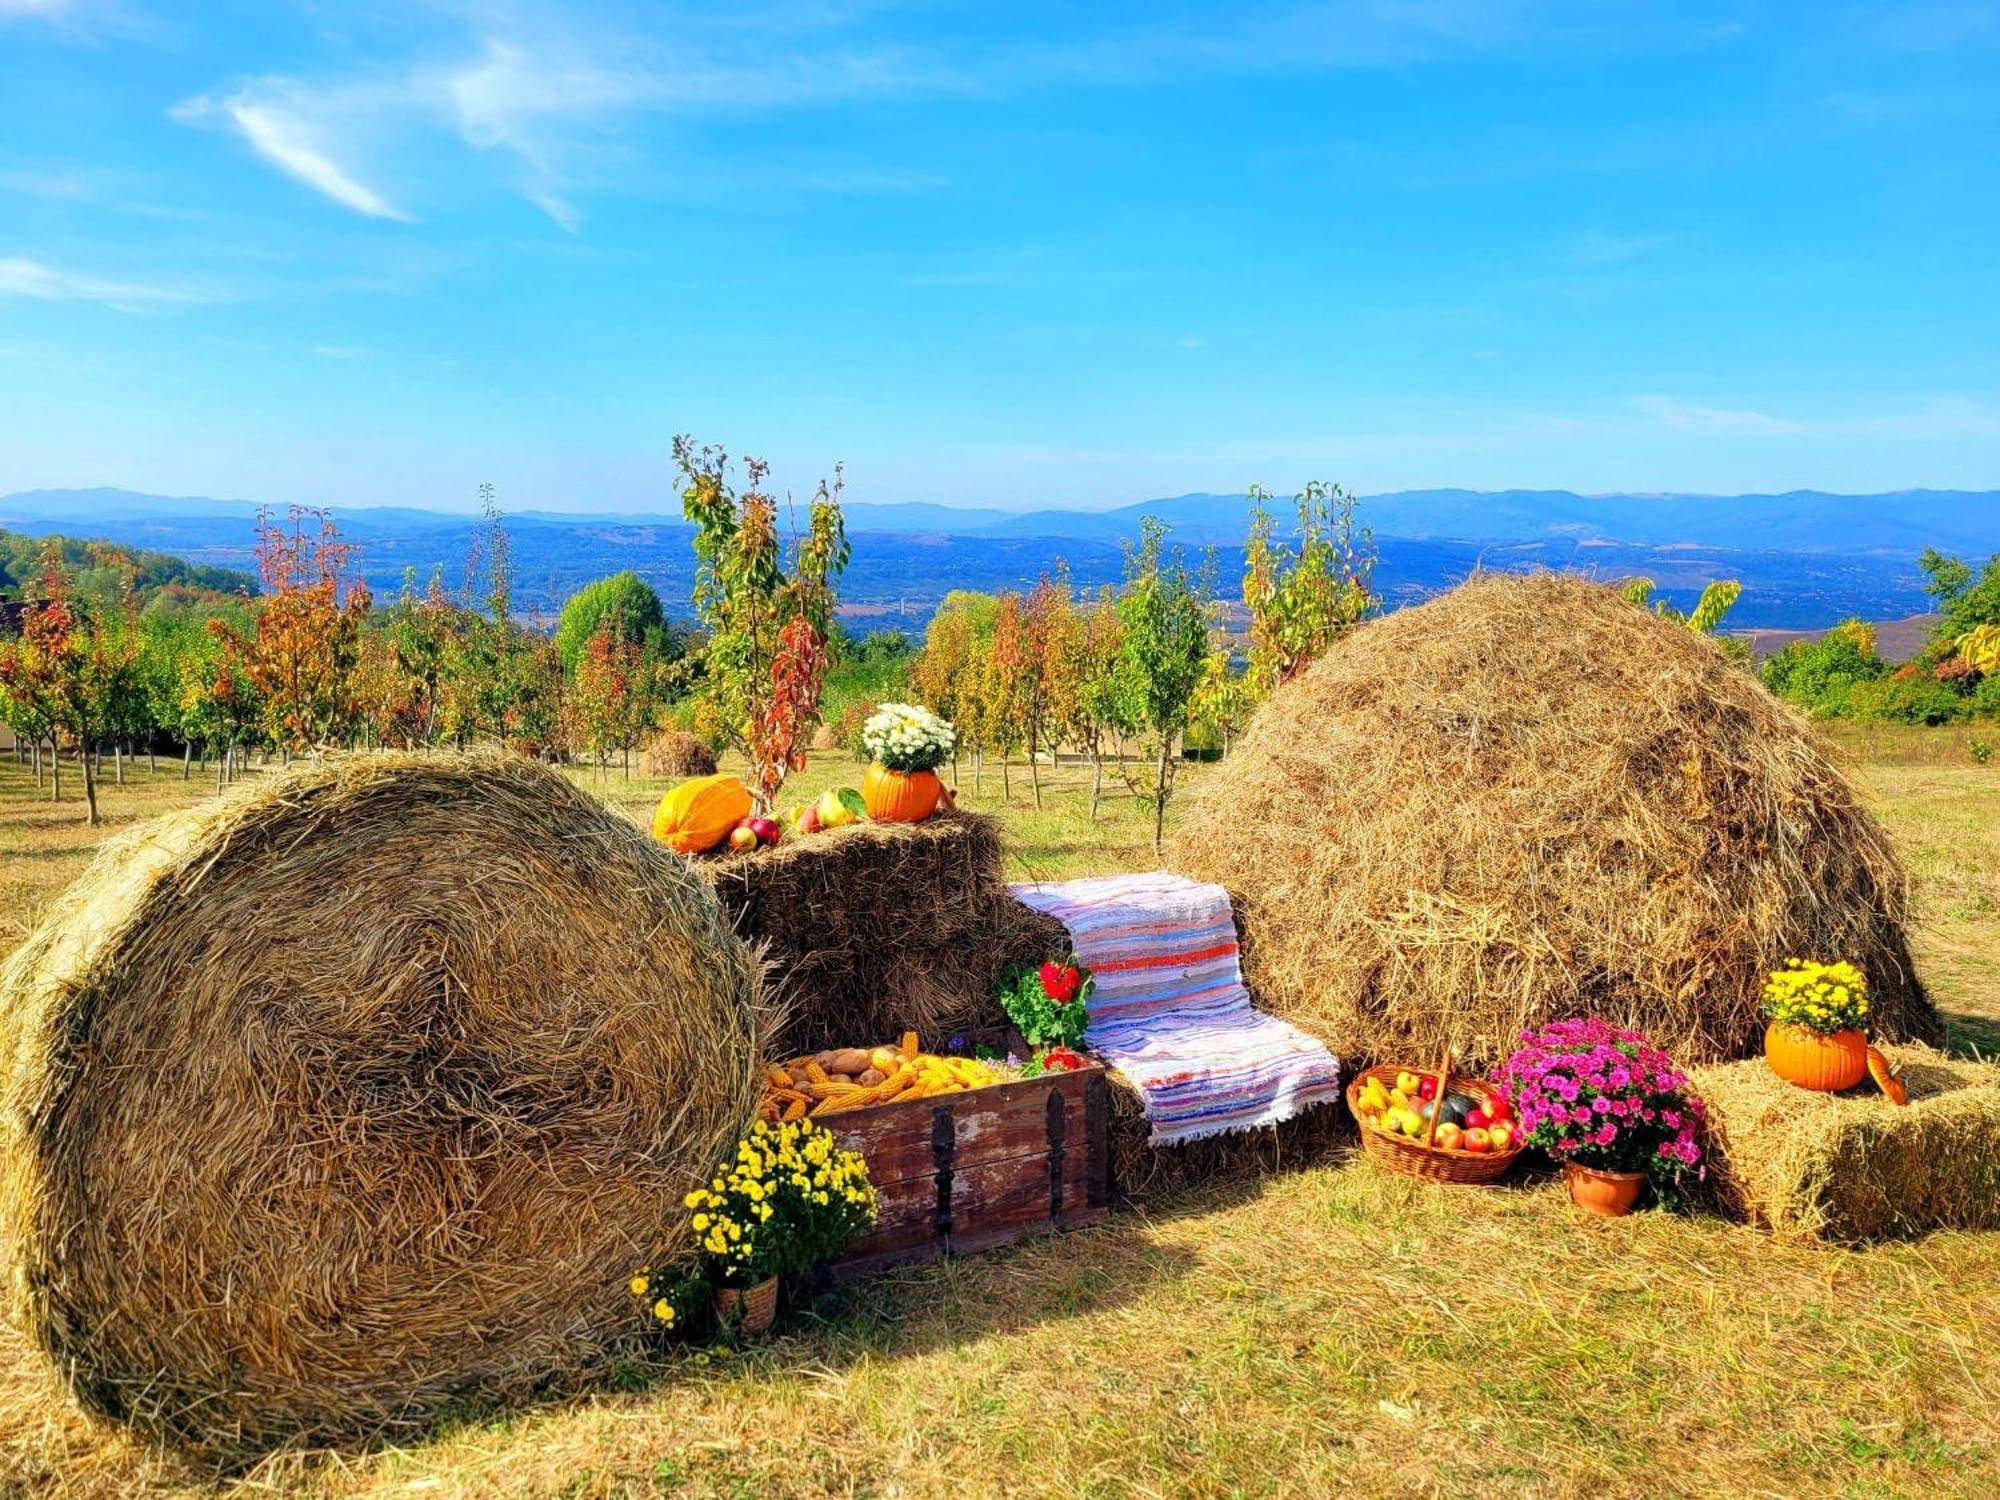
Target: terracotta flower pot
x,y
1813,1060
900,796
752,1309
1611,1194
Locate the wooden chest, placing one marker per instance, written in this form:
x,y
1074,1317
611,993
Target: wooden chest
x,y
967,1172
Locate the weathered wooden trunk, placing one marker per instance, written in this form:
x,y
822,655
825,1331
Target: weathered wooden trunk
x,y
968,1172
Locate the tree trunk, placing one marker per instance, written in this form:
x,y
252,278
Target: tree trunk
x,y
55,770
187,759
1160,793
118,761
1096,779
628,762
38,765
1006,785
90,790
220,762
1035,765
979,769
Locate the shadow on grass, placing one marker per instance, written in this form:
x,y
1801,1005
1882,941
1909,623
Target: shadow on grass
x,y
1970,1036
900,1313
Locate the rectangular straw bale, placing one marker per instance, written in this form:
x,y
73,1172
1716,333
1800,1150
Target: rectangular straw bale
x,y
1854,1167
878,927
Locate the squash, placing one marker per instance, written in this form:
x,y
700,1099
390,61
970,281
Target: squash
x,y
698,814
1885,1078
900,797
1813,1061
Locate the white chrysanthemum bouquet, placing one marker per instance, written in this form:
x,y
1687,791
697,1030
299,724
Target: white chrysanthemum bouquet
x,y
905,737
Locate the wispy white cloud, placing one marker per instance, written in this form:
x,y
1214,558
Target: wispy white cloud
x,y
22,277
32,9
1904,420
294,142
338,351
1686,416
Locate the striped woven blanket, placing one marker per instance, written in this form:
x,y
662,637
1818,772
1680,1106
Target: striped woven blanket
x,y
1169,1011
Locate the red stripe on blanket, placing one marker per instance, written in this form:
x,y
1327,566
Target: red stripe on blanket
x,y
1163,960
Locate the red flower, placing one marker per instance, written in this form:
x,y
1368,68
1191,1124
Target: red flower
x,y
1061,1060
1060,982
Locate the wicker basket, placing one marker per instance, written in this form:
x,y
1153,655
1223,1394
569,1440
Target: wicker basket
x,y
1424,1157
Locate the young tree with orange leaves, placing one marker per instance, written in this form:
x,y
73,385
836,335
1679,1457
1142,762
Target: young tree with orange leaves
x,y
768,624
609,690
76,666
1007,684
308,628
1051,685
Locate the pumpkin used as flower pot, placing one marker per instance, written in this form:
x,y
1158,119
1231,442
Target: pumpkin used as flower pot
x,y
900,796
1823,1061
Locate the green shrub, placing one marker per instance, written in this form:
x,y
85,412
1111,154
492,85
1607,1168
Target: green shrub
x,y
1821,675
1986,698
1907,700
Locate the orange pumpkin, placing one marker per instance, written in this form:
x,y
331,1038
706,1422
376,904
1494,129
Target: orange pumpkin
x,y
1885,1078
698,814
1812,1061
900,796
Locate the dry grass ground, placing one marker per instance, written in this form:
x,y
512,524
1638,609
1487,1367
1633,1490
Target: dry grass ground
x,y
1329,1331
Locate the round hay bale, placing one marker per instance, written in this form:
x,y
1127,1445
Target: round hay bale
x,y
360,1093
678,753
1529,799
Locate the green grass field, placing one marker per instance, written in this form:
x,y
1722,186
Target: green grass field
x,y
1330,1331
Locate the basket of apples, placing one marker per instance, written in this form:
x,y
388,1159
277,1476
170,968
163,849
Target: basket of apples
x,y
1433,1125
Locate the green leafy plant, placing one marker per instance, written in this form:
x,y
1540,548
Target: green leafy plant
x,y
1163,649
1049,1003
1303,600
1716,601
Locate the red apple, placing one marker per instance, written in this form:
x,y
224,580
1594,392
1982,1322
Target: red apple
x,y
1478,1140
1427,1088
1476,1117
1450,1136
766,829
1498,1110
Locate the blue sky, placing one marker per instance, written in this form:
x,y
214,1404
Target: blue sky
x,y
360,252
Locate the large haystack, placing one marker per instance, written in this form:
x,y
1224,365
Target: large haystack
x,y
878,927
1529,799
358,1093
1854,1166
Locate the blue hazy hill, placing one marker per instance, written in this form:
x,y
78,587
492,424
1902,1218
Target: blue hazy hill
x,y
1806,558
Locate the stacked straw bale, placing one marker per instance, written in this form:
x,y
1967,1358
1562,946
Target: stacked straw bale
x,y
878,927
359,1093
1852,1167
1529,799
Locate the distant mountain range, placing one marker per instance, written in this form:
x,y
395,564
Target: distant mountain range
x,y
1806,558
